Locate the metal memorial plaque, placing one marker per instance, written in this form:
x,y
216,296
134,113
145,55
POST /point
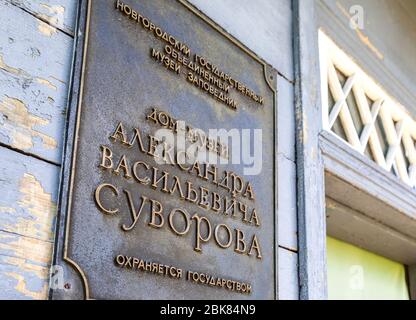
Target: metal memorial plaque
x,y
169,178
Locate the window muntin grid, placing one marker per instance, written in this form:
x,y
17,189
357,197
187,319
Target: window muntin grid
x,y
361,113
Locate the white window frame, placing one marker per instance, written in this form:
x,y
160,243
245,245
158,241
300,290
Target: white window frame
x,y
398,124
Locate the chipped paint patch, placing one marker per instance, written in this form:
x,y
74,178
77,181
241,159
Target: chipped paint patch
x,y
27,220
47,83
363,38
34,250
9,69
330,205
41,206
26,260
21,73
32,279
7,210
59,80
19,123
46,29
22,287
55,14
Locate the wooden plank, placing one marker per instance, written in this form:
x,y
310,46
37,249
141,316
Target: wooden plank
x,y
288,277
29,190
263,26
27,216
286,167
310,172
24,267
35,62
384,197
287,204
57,13
385,48
286,119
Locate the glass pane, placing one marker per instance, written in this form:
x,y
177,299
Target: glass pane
x,y
354,273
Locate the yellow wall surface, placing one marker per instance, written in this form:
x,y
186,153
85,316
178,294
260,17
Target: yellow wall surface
x,y
354,273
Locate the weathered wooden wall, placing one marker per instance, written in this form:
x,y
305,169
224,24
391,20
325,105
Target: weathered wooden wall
x,y
386,45
36,38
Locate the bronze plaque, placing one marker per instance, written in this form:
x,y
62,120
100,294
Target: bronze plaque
x,y
169,179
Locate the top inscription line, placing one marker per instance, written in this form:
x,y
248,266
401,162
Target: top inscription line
x,y
213,72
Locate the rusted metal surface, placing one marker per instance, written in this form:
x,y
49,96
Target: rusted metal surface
x,y
122,82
